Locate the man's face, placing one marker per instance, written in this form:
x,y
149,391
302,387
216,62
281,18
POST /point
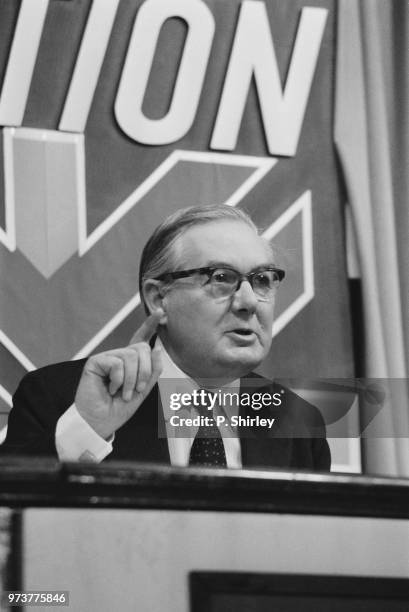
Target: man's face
x,y
210,337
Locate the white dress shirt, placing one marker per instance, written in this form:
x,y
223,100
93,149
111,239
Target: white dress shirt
x,y
77,441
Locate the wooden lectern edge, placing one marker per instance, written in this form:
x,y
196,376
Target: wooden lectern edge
x,y
28,482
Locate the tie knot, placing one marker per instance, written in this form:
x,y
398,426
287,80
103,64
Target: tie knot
x,y
205,402
207,398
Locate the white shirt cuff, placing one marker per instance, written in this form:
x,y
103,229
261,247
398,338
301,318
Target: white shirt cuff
x,y
75,440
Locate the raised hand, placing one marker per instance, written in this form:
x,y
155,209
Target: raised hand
x,y
115,383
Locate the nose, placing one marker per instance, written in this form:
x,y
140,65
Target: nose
x,y
244,299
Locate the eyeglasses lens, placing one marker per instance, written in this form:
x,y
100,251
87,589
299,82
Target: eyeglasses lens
x,y
225,282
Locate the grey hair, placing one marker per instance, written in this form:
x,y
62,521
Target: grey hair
x,y
160,254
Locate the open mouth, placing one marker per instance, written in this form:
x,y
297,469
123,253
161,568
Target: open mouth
x,y
242,336
243,332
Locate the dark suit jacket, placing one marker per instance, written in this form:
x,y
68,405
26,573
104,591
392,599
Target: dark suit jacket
x,y
296,441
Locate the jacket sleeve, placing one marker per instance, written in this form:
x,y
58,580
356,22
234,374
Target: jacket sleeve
x,y
41,398
321,455
32,420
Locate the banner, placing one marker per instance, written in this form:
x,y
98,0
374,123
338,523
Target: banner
x,y
116,113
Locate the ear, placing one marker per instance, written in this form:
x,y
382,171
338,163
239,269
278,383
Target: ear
x,y
154,296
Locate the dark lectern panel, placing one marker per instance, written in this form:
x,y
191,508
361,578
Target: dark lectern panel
x,y
244,592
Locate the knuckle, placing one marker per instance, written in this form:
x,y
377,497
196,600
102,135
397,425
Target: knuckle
x,y
94,359
117,368
144,374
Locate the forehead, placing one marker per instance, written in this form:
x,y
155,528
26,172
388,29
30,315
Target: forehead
x,y
223,241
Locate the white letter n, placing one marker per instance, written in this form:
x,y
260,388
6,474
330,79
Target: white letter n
x,y
253,53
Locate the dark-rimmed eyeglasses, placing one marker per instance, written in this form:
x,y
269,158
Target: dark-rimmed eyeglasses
x,y
224,282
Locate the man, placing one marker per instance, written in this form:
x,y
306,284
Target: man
x,y
208,283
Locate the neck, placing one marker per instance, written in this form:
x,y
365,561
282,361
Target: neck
x,y
204,379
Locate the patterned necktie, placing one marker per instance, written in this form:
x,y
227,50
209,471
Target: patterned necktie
x,y
208,448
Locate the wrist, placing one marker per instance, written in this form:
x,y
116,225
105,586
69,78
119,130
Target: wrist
x,y
103,430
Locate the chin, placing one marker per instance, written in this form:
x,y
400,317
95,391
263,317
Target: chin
x,y
244,360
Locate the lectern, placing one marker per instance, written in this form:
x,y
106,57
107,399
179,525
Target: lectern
x,y
136,538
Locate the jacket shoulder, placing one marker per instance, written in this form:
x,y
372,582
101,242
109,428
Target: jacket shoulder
x,y
56,383
56,372
294,412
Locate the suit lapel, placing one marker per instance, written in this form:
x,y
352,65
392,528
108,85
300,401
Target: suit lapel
x,y
261,447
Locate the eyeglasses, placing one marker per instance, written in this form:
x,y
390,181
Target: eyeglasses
x,y
224,282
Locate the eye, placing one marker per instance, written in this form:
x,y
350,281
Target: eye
x,y
264,279
224,277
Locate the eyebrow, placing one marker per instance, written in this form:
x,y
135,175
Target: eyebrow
x,y
224,264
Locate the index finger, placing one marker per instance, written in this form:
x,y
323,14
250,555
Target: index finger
x,y
148,327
